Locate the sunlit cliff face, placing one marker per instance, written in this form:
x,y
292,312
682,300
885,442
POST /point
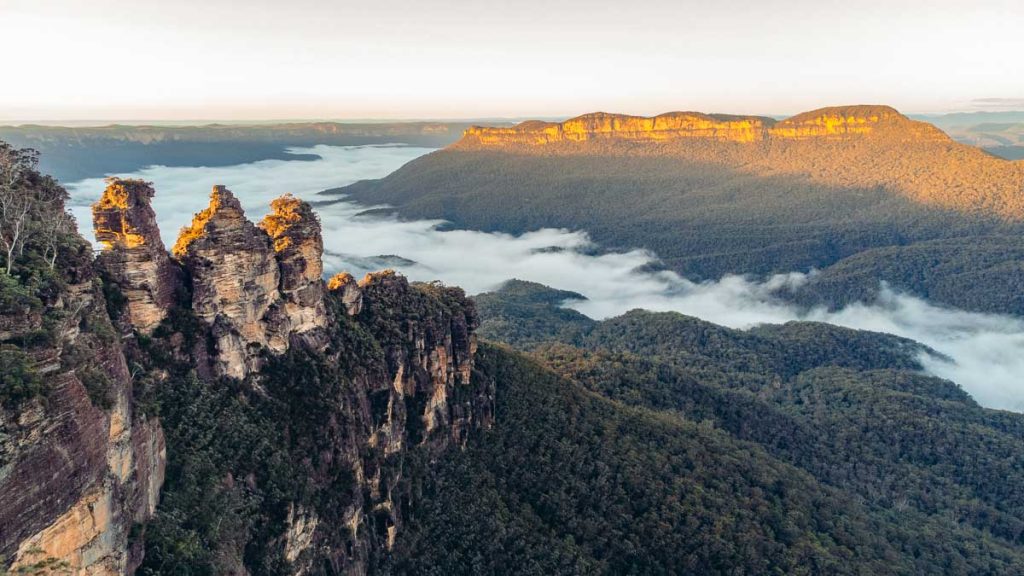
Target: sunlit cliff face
x,y
836,122
844,147
599,125
196,230
853,121
115,225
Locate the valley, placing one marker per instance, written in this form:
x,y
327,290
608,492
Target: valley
x,y
280,423
986,349
879,198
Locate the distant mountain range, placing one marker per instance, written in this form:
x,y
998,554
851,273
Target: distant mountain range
x,y
861,192
73,153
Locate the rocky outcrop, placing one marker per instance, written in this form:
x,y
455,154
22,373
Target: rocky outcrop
x,y
432,361
235,280
133,254
418,398
349,392
294,230
351,294
257,286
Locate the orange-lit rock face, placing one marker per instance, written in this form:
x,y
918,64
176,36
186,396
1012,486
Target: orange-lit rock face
x,y
256,286
843,147
221,202
351,293
235,280
837,122
122,217
674,125
852,121
294,229
134,255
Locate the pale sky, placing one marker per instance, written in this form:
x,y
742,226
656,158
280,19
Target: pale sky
x,y
291,59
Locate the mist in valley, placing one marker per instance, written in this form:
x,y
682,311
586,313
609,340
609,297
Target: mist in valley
x,y
983,353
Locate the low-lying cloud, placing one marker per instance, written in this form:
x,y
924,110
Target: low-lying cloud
x,y
987,351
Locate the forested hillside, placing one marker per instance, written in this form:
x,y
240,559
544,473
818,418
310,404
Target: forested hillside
x,y
902,203
659,444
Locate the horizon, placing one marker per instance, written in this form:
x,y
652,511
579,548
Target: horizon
x,y
201,122
205,61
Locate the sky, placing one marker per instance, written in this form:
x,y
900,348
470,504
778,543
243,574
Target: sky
x,y
305,59
983,353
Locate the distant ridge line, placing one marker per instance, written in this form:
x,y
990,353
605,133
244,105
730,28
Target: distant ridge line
x,y
837,122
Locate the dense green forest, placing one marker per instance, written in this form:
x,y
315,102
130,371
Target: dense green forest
x,y
658,444
706,219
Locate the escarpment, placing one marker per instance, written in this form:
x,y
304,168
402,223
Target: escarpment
x,y
845,147
345,380
219,409
604,126
81,465
835,123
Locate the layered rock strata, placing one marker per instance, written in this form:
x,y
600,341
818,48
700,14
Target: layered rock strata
x,y
133,253
829,123
294,232
80,466
257,286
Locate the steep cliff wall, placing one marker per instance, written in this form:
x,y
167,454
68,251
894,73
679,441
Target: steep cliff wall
x,y
841,122
299,416
405,406
356,385
600,125
80,465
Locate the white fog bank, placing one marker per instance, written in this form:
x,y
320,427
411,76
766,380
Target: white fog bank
x,y
987,351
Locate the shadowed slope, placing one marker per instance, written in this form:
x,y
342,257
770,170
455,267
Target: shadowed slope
x,y
807,192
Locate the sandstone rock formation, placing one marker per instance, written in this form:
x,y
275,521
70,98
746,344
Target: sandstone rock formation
x,y
256,286
294,229
836,122
420,397
351,293
235,280
435,359
379,370
134,255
